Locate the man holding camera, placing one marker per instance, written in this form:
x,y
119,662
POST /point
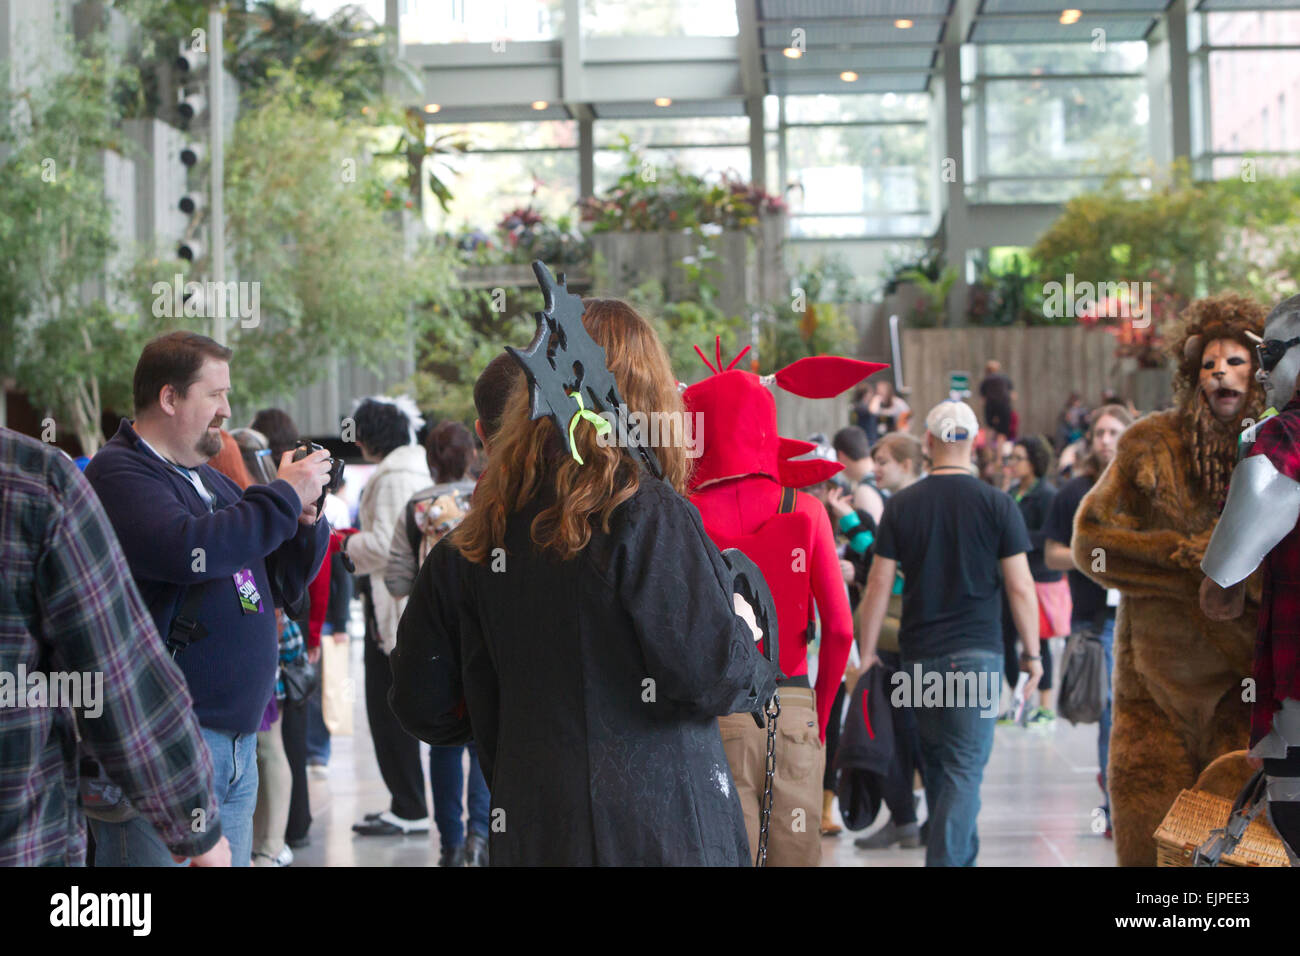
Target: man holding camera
x,y
211,562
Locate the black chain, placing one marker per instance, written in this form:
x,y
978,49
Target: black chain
x,y
772,712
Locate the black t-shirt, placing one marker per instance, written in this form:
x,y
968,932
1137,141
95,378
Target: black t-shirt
x,y
948,532
1088,598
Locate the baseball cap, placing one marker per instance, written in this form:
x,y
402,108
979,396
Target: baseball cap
x,y
952,422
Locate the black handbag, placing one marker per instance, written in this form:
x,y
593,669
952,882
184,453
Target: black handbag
x,y
301,678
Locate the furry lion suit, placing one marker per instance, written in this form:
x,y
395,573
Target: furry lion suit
x,y
1178,682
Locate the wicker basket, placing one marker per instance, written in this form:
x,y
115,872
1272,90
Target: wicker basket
x,y
1188,824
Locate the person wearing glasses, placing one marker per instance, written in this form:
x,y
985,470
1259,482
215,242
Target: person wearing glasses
x,y
1259,525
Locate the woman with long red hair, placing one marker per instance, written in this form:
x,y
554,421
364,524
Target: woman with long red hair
x,y
593,634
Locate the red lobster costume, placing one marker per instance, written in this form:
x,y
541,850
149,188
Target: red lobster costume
x,y
738,484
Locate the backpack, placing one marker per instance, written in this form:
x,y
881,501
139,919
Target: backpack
x,y
428,521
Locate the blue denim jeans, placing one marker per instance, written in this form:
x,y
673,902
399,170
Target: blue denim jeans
x,y
956,742
318,735
447,779
234,764
1103,726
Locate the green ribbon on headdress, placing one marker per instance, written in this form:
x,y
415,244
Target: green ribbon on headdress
x,y
601,425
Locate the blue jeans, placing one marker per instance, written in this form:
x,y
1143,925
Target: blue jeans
x,y
447,780
1103,727
956,742
234,778
318,735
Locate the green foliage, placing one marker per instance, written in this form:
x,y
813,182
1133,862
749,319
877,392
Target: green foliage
x,y
458,331
683,325
333,273
649,198
64,346
1185,237
829,278
1007,292
930,310
345,51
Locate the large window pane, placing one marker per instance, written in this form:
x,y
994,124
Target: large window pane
x,y
1064,127
659,18
1259,28
1254,101
861,106
478,21
866,169
1048,58
549,134
835,227
486,187
697,130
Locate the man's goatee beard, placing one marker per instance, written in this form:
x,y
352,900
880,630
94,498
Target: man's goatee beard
x,y
209,445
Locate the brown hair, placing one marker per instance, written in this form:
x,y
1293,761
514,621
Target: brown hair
x,y
492,388
449,448
230,462
902,447
278,428
1089,465
173,359
528,460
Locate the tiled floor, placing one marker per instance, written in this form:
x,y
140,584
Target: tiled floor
x,y
1038,796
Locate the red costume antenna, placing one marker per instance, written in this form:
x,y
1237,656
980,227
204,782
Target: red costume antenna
x,y
738,358
717,346
700,352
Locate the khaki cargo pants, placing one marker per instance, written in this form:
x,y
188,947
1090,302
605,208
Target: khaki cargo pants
x,y
794,837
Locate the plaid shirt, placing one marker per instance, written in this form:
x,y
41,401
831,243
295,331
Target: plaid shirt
x,y
1277,644
68,604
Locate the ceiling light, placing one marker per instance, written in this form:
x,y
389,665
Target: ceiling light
x,y
663,101
848,76
903,24
1070,16
540,104
793,52
432,107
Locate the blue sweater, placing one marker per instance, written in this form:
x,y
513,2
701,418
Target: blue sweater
x,y
172,542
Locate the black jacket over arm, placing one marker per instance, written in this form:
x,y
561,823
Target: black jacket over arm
x,y
591,688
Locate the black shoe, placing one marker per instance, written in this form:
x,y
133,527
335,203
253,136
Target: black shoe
x,y
385,824
452,856
476,850
299,842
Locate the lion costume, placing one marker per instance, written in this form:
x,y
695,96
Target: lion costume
x,y
1178,681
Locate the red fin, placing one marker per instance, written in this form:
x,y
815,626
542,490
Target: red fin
x,y
824,376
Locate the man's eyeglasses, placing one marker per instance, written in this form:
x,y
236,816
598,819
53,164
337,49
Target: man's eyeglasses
x,y
1270,352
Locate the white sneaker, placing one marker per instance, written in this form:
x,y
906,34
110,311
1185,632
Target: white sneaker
x,y
284,857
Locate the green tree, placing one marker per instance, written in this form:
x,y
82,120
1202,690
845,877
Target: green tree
x,y
66,341
334,275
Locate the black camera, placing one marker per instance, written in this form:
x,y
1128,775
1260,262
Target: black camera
x,y
305,448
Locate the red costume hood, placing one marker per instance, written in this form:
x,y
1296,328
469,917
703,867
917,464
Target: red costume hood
x,y
739,418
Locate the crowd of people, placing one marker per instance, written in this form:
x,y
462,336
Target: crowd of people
x,y
554,617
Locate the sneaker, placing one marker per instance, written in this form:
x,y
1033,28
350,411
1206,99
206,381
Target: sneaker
x,y
1006,719
1042,717
284,857
908,835
385,824
318,771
